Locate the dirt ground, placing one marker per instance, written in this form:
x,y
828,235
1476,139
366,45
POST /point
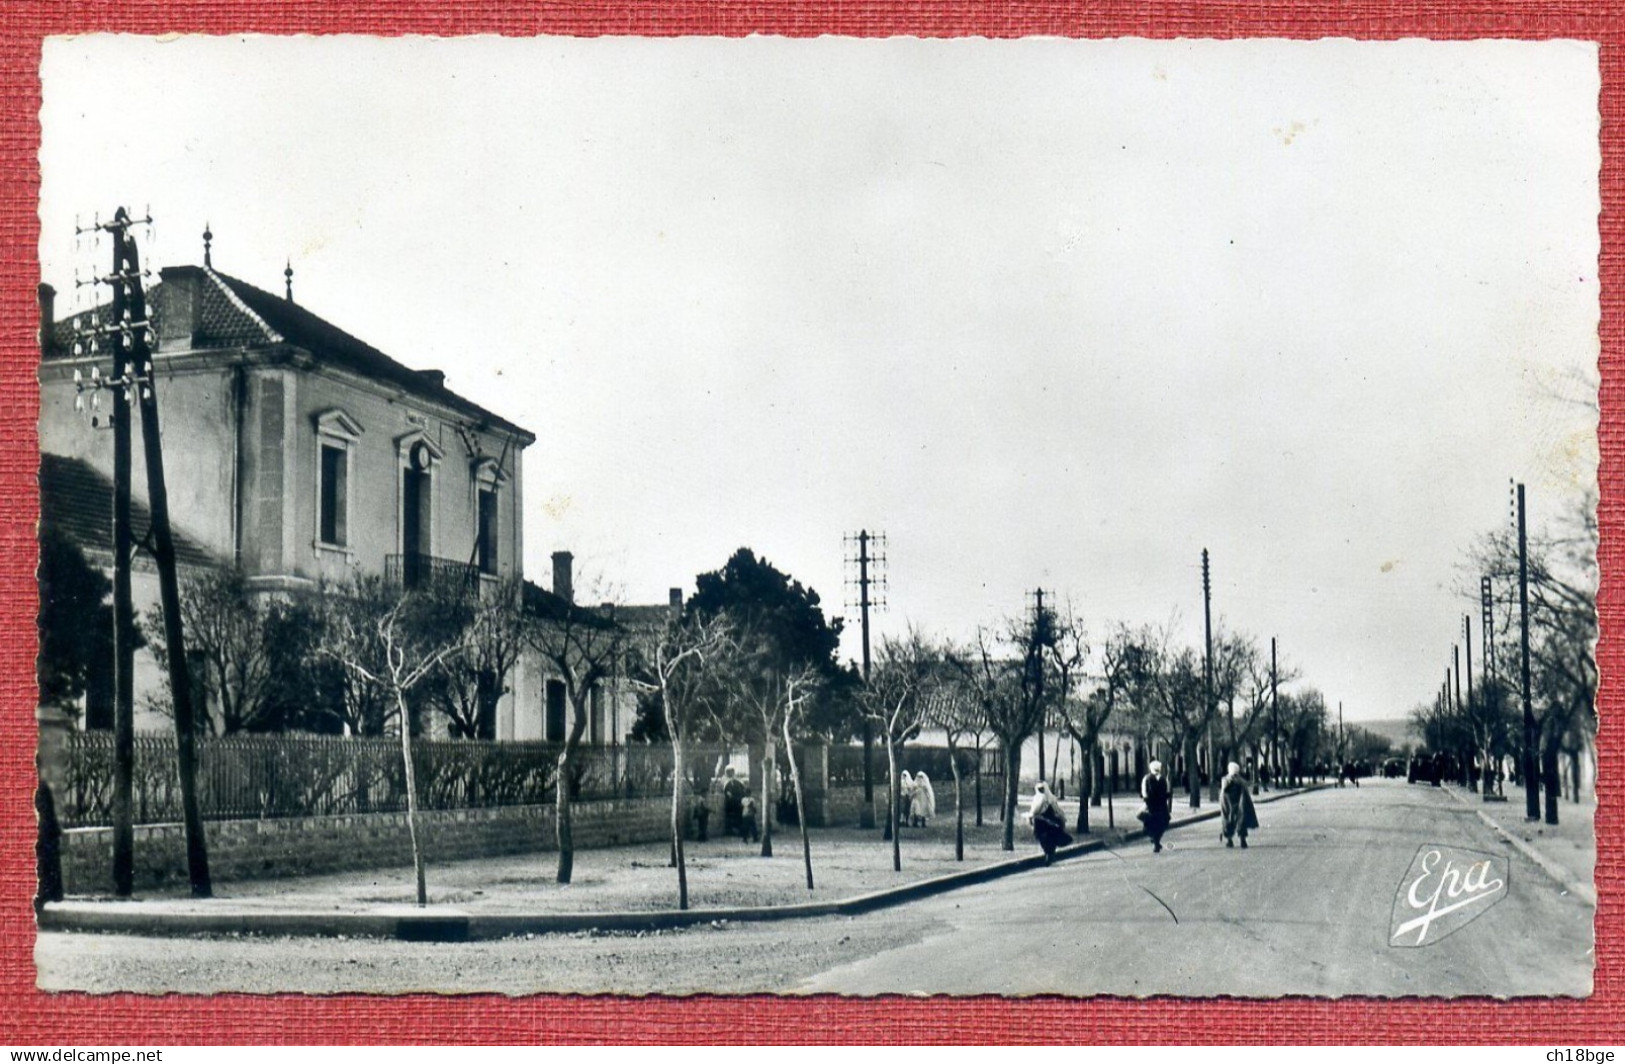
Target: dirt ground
x,y
721,873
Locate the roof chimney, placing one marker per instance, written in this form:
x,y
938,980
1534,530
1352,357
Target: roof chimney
x,y
47,317
676,599
436,377
561,575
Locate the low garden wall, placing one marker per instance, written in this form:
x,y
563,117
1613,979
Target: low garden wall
x,y
297,846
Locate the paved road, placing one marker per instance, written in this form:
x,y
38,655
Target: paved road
x,y
1306,910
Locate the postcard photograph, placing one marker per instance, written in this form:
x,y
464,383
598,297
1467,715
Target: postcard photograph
x,y
855,516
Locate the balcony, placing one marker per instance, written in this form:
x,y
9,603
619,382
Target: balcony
x,y
426,571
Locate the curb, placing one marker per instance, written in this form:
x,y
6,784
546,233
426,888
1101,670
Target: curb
x,y
1555,871
452,925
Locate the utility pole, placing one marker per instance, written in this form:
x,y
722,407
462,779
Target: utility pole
x,y
1040,633
1040,639
163,551
1464,713
1531,737
1475,713
88,342
1275,722
132,334
1207,683
1492,681
866,579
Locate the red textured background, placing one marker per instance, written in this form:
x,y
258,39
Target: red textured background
x,y
29,1016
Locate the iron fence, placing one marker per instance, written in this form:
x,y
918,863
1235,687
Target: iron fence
x,y
270,776
846,763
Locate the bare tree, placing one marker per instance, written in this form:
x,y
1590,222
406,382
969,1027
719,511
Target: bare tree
x,y
682,663
759,697
1010,685
392,650
469,685
581,647
229,632
800,687
1563,630
953,705
894,699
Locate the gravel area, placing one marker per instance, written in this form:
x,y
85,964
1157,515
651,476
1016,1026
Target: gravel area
x,y
729,958
721,873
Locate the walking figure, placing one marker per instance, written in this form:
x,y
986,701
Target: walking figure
x,y
1236,807
1049,823
1156,814
733,793
750,829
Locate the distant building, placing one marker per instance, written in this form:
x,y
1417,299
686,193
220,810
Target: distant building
x,y
291,448
612,708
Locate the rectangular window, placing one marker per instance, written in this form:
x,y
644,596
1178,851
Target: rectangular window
x,y
334,495
487,539
553,730
597,714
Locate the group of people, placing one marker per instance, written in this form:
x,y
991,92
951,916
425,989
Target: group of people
x,y
739,816
1237,815
917,800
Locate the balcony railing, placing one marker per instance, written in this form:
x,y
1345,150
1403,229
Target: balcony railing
x,y
426,570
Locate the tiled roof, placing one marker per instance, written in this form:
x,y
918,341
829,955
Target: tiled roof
x,y
540,602
77,499
642,617
233,313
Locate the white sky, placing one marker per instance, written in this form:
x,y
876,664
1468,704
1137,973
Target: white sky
x,y
1046,312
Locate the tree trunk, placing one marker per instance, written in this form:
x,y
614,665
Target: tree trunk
x,y
1212,768
769,806
678,787
411,798
959,804
1551,784
1012,781
561,815
1085,786
1193,778
894,795
1097,768
801,808
978,782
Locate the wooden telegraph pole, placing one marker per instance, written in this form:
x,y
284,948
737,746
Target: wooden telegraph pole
x,y
89,342
1207,684
132,335
1531,737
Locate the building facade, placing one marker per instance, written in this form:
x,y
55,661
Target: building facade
x,y
292,450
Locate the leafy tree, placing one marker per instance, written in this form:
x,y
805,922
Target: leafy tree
x,y
781,631
75,621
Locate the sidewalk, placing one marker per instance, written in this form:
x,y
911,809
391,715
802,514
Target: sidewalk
x,y
1566,851
624,888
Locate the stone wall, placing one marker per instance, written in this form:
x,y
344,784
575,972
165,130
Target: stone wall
x,y
263,849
